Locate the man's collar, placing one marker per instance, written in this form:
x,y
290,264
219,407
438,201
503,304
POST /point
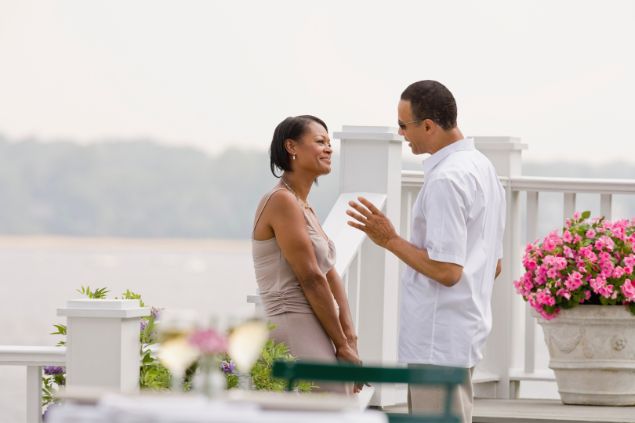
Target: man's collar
x,y
460,145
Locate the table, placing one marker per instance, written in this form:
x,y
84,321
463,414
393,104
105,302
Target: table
x,y
197,409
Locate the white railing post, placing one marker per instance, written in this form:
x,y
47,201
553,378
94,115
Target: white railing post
x,y
33,394
505,345
102,345
371,162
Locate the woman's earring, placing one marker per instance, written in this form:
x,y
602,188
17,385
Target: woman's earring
x,y
293,157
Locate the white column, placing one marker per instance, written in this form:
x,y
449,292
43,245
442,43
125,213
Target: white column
x,y
33,394
102,344
505,345
371,162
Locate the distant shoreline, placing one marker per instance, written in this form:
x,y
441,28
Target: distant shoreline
x,y
172,244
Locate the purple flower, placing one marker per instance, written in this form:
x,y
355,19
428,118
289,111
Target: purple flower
x,y
227,366
142,325
53,370
154,313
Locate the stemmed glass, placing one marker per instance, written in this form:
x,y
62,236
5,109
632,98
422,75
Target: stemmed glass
x,y
248,333
175,351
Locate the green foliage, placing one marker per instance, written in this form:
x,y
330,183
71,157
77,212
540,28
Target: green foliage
x,y
154,376
261,372
97,294
129,295
60,330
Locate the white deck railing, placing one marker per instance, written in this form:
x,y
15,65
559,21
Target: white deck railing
x,y
532,188
524,207
34,359
350,246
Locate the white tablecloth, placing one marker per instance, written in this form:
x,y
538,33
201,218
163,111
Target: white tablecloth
x,y
184,409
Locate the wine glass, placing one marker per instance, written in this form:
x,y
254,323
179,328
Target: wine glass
x,y
175,351
247,335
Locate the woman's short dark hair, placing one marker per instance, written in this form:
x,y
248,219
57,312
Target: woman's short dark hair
x,y
431,100
292,127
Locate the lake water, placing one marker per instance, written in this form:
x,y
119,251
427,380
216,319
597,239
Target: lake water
x,y
38,275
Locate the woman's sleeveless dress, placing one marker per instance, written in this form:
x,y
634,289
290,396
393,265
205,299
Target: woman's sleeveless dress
x,y
283,298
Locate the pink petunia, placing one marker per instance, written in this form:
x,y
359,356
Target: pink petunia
x,y
574,281
530,264
544,298
564,294
618,272
628,289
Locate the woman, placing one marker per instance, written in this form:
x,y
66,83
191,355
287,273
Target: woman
x,y
293,258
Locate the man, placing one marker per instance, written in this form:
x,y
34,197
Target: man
x,y
455,249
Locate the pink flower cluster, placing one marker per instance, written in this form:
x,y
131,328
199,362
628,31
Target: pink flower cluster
x,y
209,341
592,261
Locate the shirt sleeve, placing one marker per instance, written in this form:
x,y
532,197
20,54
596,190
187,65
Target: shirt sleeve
x,y
445,207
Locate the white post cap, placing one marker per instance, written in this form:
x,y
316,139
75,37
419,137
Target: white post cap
x,y
103,308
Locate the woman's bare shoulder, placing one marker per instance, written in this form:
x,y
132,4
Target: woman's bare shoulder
x,y
276,201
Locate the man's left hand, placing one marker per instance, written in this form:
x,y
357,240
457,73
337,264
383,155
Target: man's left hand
x,y
370,220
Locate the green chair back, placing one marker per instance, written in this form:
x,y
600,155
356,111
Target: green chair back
x,y
447,377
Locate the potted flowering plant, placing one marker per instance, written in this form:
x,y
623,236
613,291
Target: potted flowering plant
x,y
590,262
571,277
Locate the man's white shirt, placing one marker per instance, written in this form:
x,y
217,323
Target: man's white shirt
x,y
458,217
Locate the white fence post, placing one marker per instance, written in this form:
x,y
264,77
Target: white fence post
x,y
33,394
371,162
505,345
103,348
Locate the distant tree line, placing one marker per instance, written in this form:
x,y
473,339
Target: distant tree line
x,y
133,189
146,189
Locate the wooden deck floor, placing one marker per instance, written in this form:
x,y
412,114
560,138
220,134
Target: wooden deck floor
x,y
541,411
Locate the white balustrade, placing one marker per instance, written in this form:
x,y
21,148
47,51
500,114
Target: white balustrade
x,y
34,359
510,355
370,163
102,351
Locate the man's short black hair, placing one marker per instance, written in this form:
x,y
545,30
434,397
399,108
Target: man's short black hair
x,y
431,100
293,128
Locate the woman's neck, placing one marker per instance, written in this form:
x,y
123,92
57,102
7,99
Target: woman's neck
x,y
300,185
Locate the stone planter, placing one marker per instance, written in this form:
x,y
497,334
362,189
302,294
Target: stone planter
x,y
592,352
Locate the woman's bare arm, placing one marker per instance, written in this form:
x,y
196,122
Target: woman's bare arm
x,y
346,320
289,226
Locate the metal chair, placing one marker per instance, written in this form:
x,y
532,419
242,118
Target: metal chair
x,y
448,377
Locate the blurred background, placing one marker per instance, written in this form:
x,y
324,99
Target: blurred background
x,y
134,134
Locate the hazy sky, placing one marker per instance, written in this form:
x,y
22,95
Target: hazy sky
x,y
558,74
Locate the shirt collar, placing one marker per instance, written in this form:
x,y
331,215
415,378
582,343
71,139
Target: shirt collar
x,y
465,144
